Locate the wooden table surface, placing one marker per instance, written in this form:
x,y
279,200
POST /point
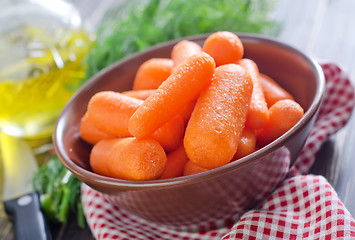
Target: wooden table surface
x,y
325,30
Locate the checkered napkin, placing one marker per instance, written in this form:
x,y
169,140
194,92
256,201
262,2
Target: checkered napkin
x,y
304,206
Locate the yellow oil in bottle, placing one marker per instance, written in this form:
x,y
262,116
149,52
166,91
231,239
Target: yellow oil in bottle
x,y
42,48
34,90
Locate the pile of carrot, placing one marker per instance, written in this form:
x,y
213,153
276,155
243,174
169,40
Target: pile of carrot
x,y
200,109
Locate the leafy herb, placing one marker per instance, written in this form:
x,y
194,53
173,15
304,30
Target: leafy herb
x,y
137,24
59,192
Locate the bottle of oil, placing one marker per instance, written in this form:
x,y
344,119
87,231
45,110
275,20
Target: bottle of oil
x,y
42,47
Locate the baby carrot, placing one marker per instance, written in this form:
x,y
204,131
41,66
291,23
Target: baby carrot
x,y
246,144
258,111
129,158
140,94
90,133
152,73
284,114
225,47
273,92
183,50
183,85
192,168
216,124
100,154
186,111
170,134
176,163
110,112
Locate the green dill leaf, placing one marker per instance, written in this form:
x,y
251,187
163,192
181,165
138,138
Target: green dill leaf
x,y
137,25
59,192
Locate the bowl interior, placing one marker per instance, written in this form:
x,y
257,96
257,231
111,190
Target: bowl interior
x,y
294,71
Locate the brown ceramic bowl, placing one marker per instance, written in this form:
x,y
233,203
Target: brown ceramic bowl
x,y
217,196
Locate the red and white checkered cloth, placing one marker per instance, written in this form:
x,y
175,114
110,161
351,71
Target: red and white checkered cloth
x,y
304,206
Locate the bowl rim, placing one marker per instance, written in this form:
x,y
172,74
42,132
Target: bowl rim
x,y
92,178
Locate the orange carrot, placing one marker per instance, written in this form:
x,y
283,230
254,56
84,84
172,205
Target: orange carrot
x,y
258,111
129,158
170,134
192,168
273,92
100,154
90,133
176,163
140,94
246,144
186,111
225,47
284,114
152,73
216,124
183,50
189,79
110,112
